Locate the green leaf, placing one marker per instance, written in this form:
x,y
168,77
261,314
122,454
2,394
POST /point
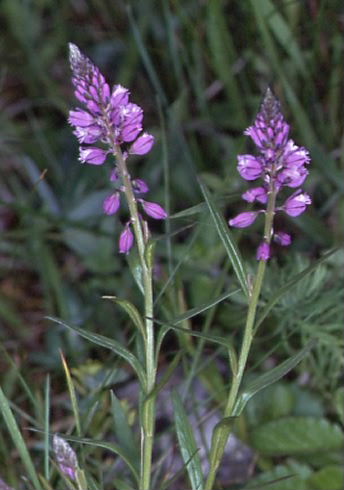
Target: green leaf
x,y
18,441
329,477
108,344
296,436
290,284
269,377
201,308
187,443
132,312
136,269
123,431
227,239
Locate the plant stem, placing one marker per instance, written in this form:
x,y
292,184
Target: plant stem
x,y
148,404
221,434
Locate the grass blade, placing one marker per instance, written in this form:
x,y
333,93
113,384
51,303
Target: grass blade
x,y
18,440
187,444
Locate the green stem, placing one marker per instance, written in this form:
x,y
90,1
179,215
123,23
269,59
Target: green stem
x,y
221,434
148,404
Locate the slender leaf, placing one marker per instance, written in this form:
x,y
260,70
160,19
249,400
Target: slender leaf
x,y
108,344
131,310
284,289
269,378
18,440
187,444
201,308
46,427
72,395
227,239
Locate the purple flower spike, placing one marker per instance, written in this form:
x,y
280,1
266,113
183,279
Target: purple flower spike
x,y
112,203
153,209
142,145
297,203
243,219
263,252
65,457
281,163
282,238
92,155
126,240
249,167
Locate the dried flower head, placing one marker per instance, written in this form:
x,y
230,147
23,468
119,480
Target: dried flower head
x,y
280,163
65,457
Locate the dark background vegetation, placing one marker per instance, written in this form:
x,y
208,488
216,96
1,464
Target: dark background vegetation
x,y
199,69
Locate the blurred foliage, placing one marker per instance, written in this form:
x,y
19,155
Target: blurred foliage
x,y
198,69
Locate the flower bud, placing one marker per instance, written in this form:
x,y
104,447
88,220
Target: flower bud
x,y
126,240
263,252
243,220
92,155
153,209
142,145
111,204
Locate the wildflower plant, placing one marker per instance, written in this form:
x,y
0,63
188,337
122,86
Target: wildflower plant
x,y
114,124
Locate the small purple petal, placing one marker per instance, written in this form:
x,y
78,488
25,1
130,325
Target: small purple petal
x,y
126,240
292,176
112,204
142,145
295,156
296,204
89,135
114,177
80,118
263,252
92,155
153,209
249,167
256,194
119,96
140,186
282,238
243,220
130,131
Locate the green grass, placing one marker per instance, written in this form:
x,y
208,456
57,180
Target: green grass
x,y
199,70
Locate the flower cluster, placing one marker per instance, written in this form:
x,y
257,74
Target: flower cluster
x,y
65,457
280,164
115,124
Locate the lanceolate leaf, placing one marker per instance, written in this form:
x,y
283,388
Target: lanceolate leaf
x,y
108,344
187,444
131,310
269,378
227,239
201,308
284,289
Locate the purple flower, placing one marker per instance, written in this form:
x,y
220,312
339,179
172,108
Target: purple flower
x,y
112,204
281,163
256,194
126,240
263,251
249,167
243,220
92,155
142,145
65,457
140,186
282,238
297,203
153,209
